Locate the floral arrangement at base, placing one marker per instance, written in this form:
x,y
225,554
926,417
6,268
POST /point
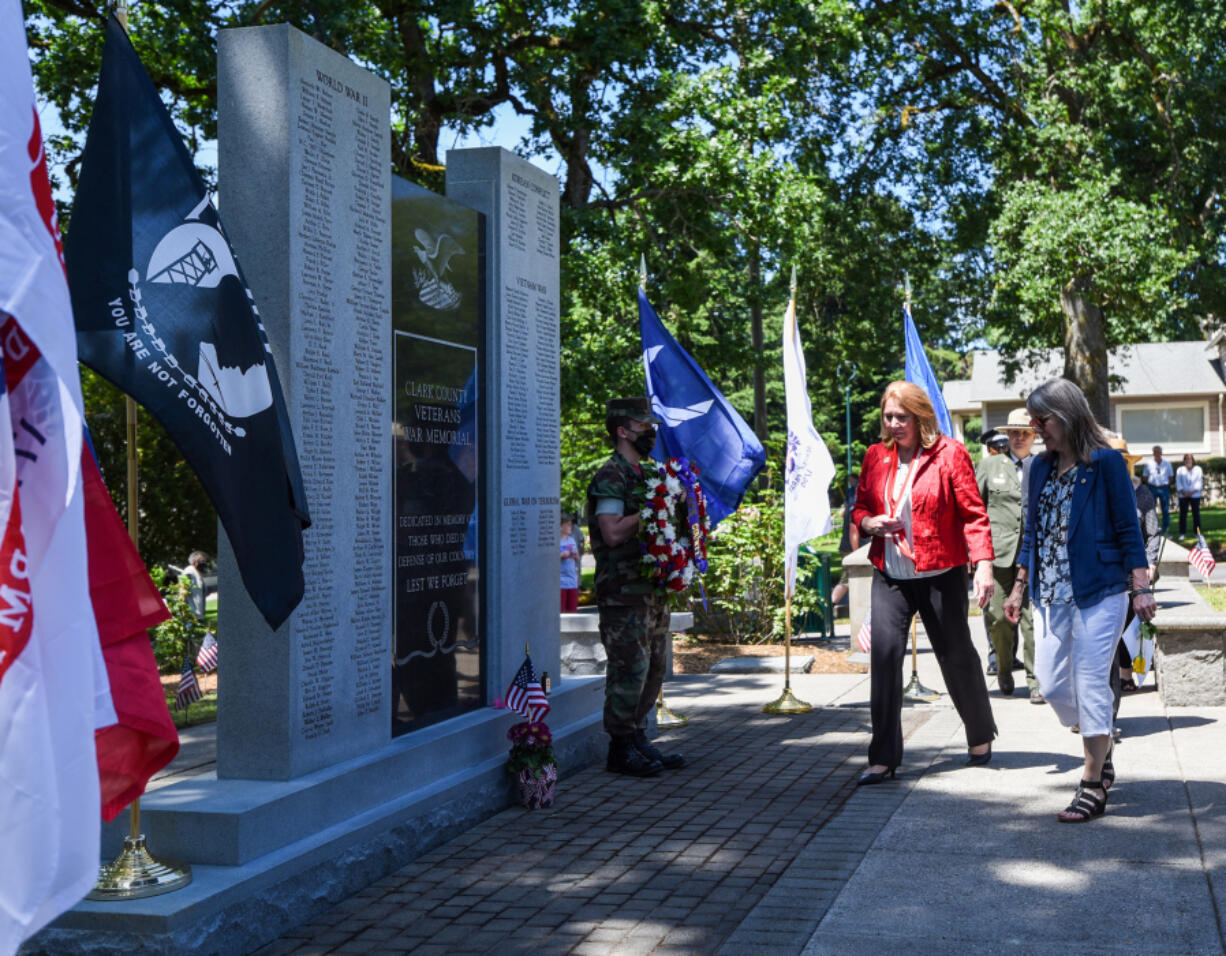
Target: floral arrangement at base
x,y
532,763
675,525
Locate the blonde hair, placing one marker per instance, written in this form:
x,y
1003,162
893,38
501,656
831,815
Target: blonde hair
x,y
915,402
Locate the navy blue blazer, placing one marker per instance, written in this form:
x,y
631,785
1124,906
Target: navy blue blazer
x,y
1105,541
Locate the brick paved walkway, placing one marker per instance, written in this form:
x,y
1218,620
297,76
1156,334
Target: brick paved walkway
x,y
671,865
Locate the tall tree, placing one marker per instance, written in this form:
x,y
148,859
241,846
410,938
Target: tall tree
x,y
1079,147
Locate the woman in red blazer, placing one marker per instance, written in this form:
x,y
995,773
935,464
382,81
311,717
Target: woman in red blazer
x,y
919,505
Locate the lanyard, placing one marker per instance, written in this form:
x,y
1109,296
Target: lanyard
x,y
894,505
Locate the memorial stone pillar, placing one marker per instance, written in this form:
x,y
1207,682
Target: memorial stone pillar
x,y
304,181
520,204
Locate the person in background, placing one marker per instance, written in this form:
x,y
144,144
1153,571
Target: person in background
x,y
1158,477
1147,515
1189,486
849,542
194,572
1000,485
1084,561
570,566
919,504
996,443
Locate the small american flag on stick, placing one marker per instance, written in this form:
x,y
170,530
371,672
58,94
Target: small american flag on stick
x,y
1201,558
189,690
525,696
206,660
864,638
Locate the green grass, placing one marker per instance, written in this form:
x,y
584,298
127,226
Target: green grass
x,y
1212,524
1215,597
203,711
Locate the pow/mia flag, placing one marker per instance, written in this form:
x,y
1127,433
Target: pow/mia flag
x,y
163,312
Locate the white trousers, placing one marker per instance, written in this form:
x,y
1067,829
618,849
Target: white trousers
x,y
1074,651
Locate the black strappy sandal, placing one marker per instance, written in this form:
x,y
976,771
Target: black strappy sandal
x,y
1085,805
1108,773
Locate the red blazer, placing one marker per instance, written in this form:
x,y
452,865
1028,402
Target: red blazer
x,y
948,520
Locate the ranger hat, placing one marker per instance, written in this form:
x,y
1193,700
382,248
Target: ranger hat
x,y
636,409
1019,419
995,439
1122,447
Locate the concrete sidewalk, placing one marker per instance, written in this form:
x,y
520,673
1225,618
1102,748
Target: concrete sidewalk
x,y
763,844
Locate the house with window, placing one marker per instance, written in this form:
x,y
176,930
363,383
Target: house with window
x,y
1163,393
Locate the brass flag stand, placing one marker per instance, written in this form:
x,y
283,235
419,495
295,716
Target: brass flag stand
x,y
915,690
788,703
135,873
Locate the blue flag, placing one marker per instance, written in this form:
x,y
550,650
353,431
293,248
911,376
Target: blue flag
x,y
698,422
162,311
919,372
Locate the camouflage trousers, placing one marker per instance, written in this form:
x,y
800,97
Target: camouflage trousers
x,y
633,638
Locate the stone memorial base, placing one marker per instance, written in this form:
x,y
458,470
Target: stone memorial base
x,y
762,665
269,855
1190,660
582,654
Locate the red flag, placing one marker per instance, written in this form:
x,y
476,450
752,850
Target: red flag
x,y
126,603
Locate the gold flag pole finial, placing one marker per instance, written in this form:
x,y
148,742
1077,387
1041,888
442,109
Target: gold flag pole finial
x,y
643,272
792,285
906,289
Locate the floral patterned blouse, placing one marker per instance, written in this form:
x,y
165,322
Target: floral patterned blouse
x,y
1054,506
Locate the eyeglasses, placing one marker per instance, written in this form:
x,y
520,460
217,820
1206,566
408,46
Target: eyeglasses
x,y
1039,421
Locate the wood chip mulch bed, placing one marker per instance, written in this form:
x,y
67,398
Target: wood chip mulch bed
x,y
697,657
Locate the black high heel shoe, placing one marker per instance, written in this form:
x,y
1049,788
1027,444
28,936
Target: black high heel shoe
x,y
979,760
870,777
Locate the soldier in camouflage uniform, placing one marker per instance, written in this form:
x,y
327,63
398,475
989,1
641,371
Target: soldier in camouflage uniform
x,y
633,612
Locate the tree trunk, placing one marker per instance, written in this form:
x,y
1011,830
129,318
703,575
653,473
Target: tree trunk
x,y
1085,347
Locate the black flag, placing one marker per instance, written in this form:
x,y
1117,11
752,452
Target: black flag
x,y
162,310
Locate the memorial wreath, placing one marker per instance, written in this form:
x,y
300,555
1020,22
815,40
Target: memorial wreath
x,y
675,524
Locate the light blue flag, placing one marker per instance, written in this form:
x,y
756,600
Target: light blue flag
x,y
697,421
919,372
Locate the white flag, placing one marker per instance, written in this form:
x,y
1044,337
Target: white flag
x,y
53,685
809,469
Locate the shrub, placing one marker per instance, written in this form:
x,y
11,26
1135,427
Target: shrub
x,y
745,582
173,639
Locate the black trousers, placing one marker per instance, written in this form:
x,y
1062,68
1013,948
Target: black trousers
x,y
1184,505
941,603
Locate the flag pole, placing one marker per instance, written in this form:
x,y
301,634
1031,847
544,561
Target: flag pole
x,y
914,689
788,703
135,873
665,716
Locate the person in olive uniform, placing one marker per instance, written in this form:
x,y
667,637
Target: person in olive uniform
x,y
1000,485
633,612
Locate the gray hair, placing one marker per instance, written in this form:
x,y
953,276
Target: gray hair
x,y
1060,399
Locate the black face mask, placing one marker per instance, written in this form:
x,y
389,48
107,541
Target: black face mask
x,y
644,442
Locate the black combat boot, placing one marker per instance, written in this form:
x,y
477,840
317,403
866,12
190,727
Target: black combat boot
x,y
625,758
645,747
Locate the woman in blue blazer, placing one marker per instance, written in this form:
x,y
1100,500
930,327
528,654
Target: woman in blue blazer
x,y
1084,560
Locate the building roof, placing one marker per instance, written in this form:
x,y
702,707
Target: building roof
x,y
1149,370
957,393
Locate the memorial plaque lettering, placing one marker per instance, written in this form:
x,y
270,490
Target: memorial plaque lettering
x,y
437,335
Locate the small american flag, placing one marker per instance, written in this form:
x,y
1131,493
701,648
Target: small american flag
x,y
206,660
525,696
1201,557
189,691
864,639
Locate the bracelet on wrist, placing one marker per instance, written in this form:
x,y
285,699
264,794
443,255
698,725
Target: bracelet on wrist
x,y
1135,591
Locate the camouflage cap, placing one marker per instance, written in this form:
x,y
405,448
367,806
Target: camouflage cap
x,y
636,409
